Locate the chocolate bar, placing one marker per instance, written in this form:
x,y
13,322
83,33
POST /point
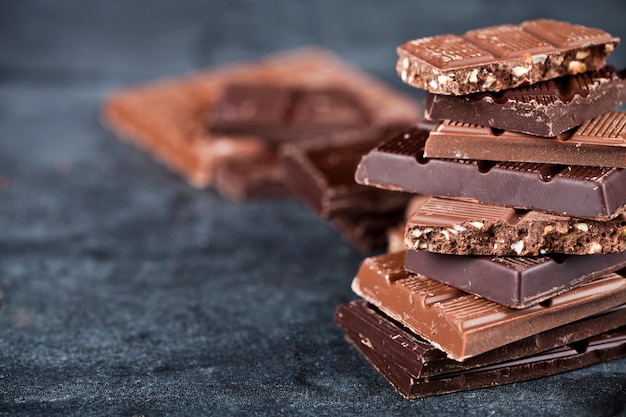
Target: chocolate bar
x,y
416,369
391,339
280,113
399,164
465,325
322,174
462,227
168,118
501,57
548,108
600,141
513,281
366,231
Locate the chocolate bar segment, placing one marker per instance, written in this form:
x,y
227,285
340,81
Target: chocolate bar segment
x,y
394,341
600,141
462,227
282,113
513,281
547,109
465,325
501,57
578,191
396,362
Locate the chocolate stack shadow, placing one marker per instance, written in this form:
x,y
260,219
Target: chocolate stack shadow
x,y
510,264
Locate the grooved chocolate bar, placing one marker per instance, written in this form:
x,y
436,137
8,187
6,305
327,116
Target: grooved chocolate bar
x,y
462,227
394,341
280,113
600,141
322,174
464,325
548,108
578,191
168,118
501,57
400,357
513,281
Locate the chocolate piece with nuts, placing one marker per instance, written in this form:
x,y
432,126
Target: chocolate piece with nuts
x,y
501,57
462,227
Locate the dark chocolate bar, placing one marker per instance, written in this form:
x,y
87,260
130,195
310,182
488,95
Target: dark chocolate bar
x,y
401,358
322,174
548,108
599,142
513,281
399,164
169,117
280,113
391,339
465,325
501,57
462,227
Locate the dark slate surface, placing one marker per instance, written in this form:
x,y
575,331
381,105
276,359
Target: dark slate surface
x,y
123,291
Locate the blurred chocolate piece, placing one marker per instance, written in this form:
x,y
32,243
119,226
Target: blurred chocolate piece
x,y
599,142
465,325
513,281
548,108
367,231
417,369
280,113
578,191
168,118
501,57
462,227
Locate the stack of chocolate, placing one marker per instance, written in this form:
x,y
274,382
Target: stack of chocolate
x,y
514,247
296,122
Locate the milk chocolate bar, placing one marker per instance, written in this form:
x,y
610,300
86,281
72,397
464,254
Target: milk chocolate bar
x,y
399,359
578,191
280,113
463,227
322,174
600,142
513,281
548,108
501,57
465,325
168,118
394,341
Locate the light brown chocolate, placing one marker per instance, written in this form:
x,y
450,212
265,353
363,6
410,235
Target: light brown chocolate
x,y
500,57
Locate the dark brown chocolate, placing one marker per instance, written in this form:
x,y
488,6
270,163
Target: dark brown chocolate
x,y
279,113
462,227
599,142
501,57
366,231
465,325
513,281
401,358
548,108
399,164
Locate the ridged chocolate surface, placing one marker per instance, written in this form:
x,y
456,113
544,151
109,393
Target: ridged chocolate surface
x,y
578,191
462,227
464,325
548,108
513,281
501,57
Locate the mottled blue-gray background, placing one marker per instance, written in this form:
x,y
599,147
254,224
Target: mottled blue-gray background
x,y
123,291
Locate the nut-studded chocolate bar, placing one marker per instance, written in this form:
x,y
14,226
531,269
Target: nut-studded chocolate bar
x,y
599,142
501,57
417,369
513,281
578,191
463,227
548,108
465,325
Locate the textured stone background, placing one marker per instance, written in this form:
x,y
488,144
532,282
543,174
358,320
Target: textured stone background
x,y
123,291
